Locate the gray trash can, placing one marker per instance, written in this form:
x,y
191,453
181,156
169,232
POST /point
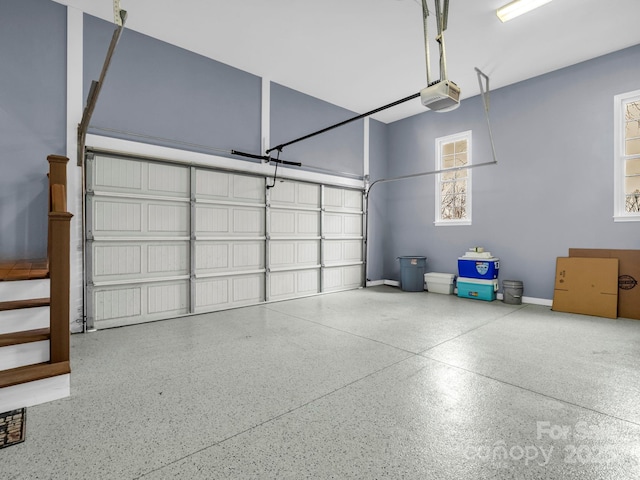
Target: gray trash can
x,y
412,270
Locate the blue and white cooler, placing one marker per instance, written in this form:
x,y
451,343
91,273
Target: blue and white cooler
x,y
483,267
477,275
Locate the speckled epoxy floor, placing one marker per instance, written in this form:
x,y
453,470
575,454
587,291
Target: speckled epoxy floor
x,y
368,384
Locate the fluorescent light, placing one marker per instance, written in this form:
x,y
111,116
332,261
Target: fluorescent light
x,y
518,7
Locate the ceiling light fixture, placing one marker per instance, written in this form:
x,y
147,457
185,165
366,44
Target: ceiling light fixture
x,y
518,7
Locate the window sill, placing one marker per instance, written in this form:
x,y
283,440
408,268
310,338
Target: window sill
x,y
452,223
626,218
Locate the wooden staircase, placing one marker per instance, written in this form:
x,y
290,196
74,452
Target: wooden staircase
x,y
34,312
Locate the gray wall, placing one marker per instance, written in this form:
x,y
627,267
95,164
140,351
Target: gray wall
x,y
552,188
32,119
378,145
187,101
294,114
160,90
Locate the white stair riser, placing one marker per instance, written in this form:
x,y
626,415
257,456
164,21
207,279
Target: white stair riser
x,y
24,290
24,319
35,393
15,356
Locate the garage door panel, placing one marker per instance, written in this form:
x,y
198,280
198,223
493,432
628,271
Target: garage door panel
x,y
352,225
251,189
294,223
168,299
169,218
117,217
224,220
248,255
343,199
138,177
343,251
248,221
212,256
168,179
115,260
210,184
130,304
295,194
212,294
229,256
109,261
112,303
293,284
211,219
247,289
218,293
168,258
225,186
342,224
117,174
290,253
114,216
342,278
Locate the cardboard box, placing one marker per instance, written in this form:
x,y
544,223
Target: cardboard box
x,y
628,277
586,285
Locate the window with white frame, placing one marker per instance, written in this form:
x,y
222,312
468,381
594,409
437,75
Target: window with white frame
x,y
453,189
627,157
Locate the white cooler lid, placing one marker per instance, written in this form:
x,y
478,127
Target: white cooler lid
x,y
486,259
473,255
449,277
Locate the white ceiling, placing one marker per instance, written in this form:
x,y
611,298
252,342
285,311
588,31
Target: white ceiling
x,y
362,54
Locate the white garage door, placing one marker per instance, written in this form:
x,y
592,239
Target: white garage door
x,y
165,240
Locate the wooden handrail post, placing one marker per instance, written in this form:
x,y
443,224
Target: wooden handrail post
x,y
57,175
58,169
60,227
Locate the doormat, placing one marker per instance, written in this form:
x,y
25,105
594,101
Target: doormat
x,y
12,427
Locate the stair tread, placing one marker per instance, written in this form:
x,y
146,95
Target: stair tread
x,y
18,304
27,336
31,373
24,270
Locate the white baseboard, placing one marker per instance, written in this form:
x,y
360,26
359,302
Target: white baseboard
x,y
374,283
35,393
537,301
392,283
